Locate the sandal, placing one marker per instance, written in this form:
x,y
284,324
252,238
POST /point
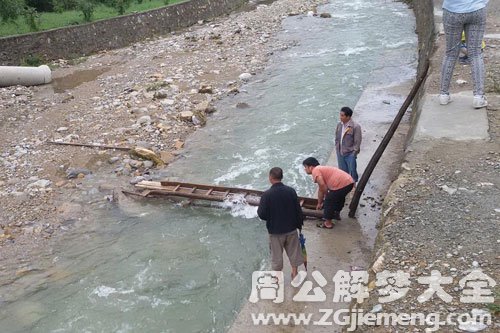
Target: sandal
x,y
324,226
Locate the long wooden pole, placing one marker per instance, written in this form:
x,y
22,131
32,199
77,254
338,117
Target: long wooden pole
x,y
87,145
383,144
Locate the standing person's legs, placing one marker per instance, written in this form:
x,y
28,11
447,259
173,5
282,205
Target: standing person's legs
x,y
352,165
453,27
276,243
341,161
294,252
474,33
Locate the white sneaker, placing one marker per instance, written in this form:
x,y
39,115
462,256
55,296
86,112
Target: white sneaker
x,y
479,102
444,99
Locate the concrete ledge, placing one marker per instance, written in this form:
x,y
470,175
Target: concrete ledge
x,y
455,121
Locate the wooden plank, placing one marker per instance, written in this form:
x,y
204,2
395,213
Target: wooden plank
x,y
217,193
215,188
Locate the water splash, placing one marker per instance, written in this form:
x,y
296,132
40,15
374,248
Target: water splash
x,y
239,206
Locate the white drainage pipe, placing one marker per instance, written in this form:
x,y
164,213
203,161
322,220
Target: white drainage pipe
x,y
24,76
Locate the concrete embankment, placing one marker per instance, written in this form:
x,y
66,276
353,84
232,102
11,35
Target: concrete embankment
x,y
439,233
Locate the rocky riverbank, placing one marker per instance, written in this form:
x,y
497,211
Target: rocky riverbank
x,y
441,216
152,95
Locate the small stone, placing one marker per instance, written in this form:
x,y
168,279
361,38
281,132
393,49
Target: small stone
x,y
167,102
160,94
245,77
205,90
242,105
325,15
205,107
449,190
178,144
62,129
113,160
186,116
144,120
61,183
406,166
75,172
376,308
42,183
137,180
167,157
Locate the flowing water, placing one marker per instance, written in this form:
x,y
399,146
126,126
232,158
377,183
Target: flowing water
x,y
160,267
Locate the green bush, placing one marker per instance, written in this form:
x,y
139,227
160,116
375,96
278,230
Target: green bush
x,y
33,60
11,9
87,7
32,18
62,5
120,5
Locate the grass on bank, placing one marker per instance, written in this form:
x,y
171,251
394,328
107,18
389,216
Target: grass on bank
x,y
49,21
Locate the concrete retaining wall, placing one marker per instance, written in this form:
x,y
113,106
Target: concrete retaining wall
x,y
111,34
424,15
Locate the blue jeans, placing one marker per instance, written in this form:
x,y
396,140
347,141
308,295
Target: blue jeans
x,y
348,164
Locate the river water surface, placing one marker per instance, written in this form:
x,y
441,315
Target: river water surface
x,y
160,267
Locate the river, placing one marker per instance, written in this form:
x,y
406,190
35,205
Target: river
x,y
162,267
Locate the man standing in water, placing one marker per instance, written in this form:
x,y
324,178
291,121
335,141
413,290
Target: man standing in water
x,y
333,186
347,142
279,207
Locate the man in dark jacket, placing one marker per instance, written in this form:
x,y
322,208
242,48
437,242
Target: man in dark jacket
x,y
279,207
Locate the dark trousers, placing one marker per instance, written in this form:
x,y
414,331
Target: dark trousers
x,y
335,200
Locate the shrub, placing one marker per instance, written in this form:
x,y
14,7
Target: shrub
x,y
62,5
32,18
120,5
87,7
33,60
11,9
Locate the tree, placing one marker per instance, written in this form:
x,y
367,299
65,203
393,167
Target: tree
x,y
62,5
41,5
11,9
32,18
121,5
87,7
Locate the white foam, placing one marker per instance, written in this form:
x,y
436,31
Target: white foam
x,y
105,291
284,128
354,50
239,207
396,45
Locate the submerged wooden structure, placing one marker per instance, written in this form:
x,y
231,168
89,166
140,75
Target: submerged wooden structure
x,y
213,193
